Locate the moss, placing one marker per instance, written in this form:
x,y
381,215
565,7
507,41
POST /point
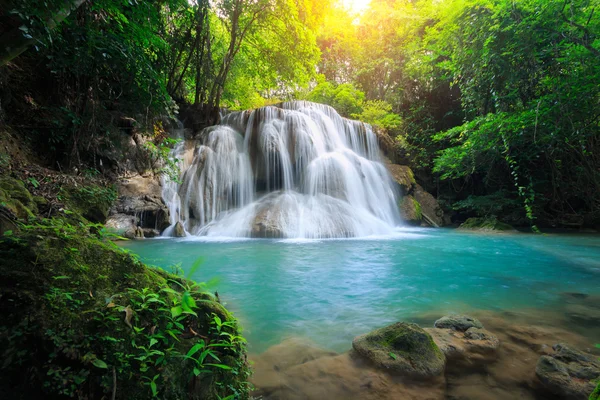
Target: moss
x,y
93,202
491,224
78,313
410,209
596,393
418,211
15,197
403,348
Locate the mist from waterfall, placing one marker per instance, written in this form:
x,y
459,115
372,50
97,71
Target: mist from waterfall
x,y
296,170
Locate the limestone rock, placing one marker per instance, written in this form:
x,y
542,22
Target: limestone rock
x,y
402,348
458,322
474,347
410,210
430,209
121,222
179,231
403,176
568,373
140,199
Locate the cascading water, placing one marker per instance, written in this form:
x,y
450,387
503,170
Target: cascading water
x,y
297,170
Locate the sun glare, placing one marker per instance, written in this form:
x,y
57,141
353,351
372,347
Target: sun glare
x,y
356,5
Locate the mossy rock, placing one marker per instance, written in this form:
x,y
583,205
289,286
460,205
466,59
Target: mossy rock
x,y
402,348
403,176
15,196
79,312
410,210
486,224
92,202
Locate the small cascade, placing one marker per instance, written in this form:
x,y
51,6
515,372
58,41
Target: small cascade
x,y
297,170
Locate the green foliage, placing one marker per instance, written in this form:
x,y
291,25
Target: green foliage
x,y
89,318
345,98
379,113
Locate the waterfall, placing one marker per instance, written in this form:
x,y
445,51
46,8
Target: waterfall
x,y
296,170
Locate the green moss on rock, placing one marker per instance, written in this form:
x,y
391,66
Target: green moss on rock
x,y
402,348
596,393
15,196
82,316
92,202
410,210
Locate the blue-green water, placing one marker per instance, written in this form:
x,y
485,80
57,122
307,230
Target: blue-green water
x,y
332,290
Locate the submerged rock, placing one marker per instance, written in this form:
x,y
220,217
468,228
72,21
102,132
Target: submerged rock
x,y
402,348
568,373
486,224
458,322
474,347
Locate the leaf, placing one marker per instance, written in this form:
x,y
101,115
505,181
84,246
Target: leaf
x,y
153,342
195,348
222,366
395,357
100,364
197,264
154,389
176,311
188,303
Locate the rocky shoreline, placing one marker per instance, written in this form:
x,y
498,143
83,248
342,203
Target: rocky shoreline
x,y
460,357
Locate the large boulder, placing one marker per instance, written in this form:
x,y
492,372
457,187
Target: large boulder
x,y
568,373
410,210
179,230
402,348
431,211
472,348
139,204
403,176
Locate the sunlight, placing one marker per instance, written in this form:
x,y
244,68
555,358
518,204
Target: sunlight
x,y
356,5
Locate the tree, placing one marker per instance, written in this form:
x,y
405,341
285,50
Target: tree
x,y
28,28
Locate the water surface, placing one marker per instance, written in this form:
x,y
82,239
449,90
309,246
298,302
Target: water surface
x,y
332,290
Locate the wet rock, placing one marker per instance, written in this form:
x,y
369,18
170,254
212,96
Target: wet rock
x,y
140,199
410,210
430,209
403,176
474,347
121,223
402,348
150,233
179,230
268,222
458,322
135,232
581,308
568,373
